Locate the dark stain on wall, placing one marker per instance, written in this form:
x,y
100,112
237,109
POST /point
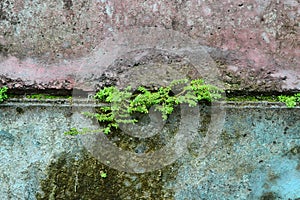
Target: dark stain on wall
x,y
68,4
78,176
269,196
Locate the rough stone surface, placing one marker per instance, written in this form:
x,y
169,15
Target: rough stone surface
x,y
61,44
25,152
256,156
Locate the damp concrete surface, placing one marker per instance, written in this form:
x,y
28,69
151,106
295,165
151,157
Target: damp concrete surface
x,y
255,154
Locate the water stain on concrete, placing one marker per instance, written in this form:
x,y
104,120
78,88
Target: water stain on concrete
x,y
269,196
79,177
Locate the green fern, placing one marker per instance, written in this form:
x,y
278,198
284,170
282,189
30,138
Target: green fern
x,y
122,104
290,101
3,95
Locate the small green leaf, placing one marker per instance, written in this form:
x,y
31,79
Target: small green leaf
x,y
72,131
3,95
103,174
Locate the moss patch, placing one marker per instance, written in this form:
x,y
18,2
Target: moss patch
x,y
269,196
71,177
255,98
44,96
229,139
294,152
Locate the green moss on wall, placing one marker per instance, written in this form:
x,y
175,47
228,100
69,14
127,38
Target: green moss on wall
x,y
72,177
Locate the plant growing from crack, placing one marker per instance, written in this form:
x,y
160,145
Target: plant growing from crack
x,y
122,104
103,174
3,94
290,101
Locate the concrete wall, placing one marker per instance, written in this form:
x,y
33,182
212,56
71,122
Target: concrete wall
x,y
46,44
254,154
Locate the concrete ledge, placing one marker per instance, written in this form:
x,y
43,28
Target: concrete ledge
x,y
92,104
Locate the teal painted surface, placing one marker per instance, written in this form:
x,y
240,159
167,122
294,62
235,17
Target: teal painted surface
x,y
256,156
